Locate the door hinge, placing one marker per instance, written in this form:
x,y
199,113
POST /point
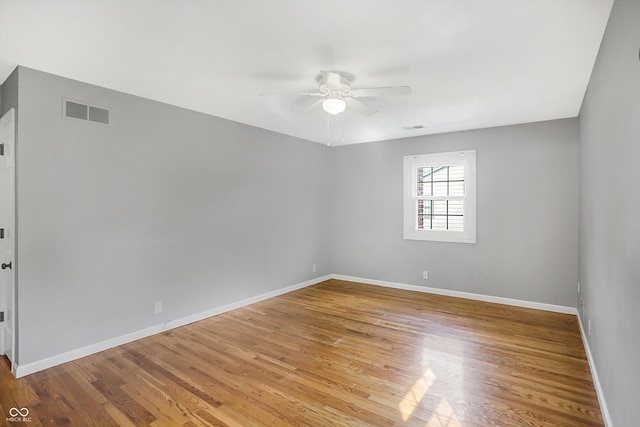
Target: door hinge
x,y
1,316
1,149
1,233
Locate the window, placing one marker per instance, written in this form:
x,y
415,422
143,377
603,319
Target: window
x,y
440,197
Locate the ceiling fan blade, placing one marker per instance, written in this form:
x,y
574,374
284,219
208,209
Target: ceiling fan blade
x,y
382,91
360,107
293,94
310,105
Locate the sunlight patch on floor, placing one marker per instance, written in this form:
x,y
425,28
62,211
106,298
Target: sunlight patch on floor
x,y
444,416
414,396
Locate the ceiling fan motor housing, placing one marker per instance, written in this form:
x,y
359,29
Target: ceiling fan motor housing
x,y
341,88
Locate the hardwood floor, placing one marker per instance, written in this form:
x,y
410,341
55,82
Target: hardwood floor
x,y
334,354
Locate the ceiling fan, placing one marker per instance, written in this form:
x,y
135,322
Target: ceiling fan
x,y
335,94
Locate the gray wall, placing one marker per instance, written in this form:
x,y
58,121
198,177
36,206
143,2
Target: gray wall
x,y
163,204
527,214
9,93
172,205
610,212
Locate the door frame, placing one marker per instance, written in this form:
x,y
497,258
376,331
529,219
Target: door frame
x,y
8,199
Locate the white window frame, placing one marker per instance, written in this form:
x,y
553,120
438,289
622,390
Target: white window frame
x,y
453,158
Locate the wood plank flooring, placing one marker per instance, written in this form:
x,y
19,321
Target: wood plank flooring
x,y
333,354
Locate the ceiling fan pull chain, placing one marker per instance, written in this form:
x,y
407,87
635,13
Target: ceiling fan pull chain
x,y
328,130
344,113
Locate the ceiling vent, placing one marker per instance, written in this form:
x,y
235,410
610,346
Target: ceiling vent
x,y
416,127
77,110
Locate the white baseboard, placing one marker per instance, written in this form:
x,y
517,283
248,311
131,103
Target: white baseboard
x,y
49,362
30,368
594,375
458,294
219,310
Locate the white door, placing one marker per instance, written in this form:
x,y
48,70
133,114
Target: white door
x,y
7,242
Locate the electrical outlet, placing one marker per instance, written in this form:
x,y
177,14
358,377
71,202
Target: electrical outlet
x,y
425,275
578,287
314,268
157,307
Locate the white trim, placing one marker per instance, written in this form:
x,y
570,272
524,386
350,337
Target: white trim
x,y
466,158
459,294
596,380
49,362
219,310
8,251
30,368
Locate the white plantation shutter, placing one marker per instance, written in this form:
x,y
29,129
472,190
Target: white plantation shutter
x,y
440,197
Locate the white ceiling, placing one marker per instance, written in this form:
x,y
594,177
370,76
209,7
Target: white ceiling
x,y
470,63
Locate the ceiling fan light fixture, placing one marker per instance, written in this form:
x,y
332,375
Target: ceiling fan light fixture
x,y
334,104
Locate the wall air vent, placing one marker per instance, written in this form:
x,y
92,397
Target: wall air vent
x,y
98,115
77,110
